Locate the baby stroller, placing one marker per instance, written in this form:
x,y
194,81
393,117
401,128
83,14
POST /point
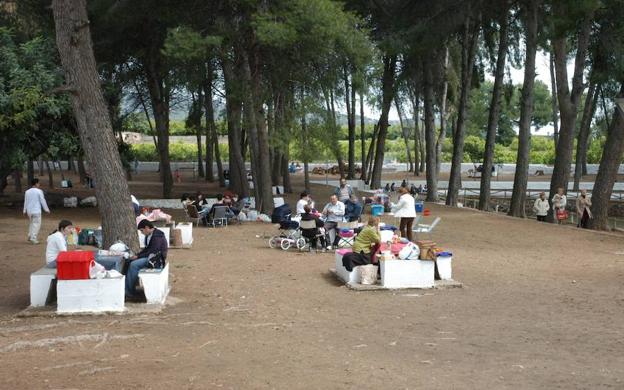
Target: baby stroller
x,y
289,232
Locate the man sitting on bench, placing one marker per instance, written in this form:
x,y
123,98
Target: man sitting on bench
x,y
155,242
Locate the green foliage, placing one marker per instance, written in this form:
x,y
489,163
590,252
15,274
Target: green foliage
x,y
31,118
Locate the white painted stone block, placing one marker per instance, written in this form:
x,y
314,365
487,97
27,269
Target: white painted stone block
x,y
40,282
165,230
348,277
90,295
444,264
407,273
277,202
155,284
187,232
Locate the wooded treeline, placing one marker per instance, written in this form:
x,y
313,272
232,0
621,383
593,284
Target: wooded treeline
x,y
286,69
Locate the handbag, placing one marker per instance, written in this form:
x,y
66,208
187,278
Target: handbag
x,y
155,261
562,214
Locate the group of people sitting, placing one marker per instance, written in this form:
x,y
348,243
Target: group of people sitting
x,y
205,211
155,245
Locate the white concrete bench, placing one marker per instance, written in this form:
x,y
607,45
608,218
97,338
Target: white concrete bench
x,y
407,273
155,284
91,295
40,282
352,277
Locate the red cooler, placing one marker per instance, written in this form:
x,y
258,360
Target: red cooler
x,y
73,265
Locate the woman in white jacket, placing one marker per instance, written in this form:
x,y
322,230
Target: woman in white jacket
x,y
541,207
406,210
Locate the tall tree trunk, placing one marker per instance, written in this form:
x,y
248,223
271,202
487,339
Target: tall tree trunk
x,y
609,166
350,123
211,142
388,90
362,137
233,104
264,194
160,108
442,135
495,108
430,138
469,49
553,88
286,174
305,138
568,104
584,131
194,121
404,133
17,179
418,156
82,172
30,171
94,127
370,156
50,175
518,196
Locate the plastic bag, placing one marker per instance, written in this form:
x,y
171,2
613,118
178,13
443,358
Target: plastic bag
x,y
96,271
410,251
264,218
70,202
252,215
368,274
89,201
242,217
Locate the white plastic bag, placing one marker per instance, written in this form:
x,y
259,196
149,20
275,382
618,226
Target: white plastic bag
x,y
242,217
264,218
72,201
252,215
89,201
96,271
368,274
410,251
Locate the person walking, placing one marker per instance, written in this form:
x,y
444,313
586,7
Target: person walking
x,y
583,203
406,210
559,202
34,203
541,207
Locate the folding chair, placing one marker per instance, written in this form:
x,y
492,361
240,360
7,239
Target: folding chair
x,y
193,214
310,226
346,232
423,228
219,216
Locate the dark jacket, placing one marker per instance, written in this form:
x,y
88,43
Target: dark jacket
x,y
311,232
158,243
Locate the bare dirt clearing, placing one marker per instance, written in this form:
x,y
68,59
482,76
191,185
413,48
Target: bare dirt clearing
x,y
542,307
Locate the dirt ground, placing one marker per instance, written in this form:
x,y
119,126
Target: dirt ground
x,y
541,307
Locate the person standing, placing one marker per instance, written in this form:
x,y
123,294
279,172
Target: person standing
x,y
406,210
583,203
541,207
559,202
344,191
34,203
334,212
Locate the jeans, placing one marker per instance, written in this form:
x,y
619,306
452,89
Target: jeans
x,y
35,225
133,274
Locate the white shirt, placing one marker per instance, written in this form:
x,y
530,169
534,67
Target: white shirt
x,y
337,211
34,201
541,207
563,201
56,244
406,208
300,204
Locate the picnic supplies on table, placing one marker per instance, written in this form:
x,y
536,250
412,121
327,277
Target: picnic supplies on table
x,y
73,265
427,250
410,251
368,274
96,270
